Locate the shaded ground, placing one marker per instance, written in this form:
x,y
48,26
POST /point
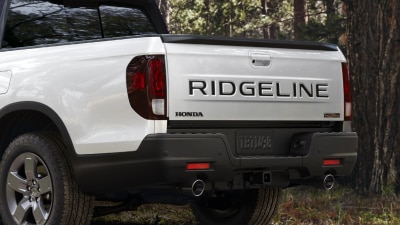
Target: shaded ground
x,y
299,206
303,206
155,214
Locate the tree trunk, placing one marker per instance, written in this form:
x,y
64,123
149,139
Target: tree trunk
x,y
330,9
268,8
299,16
374,55
164,7
264,12
207,6
272,6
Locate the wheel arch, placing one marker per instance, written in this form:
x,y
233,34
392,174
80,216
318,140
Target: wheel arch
x,y
24,117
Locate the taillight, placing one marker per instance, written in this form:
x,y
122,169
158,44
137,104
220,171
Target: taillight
x,y
347,93
147,87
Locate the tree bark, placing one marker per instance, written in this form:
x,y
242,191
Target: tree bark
x,y
273,30
299,16
264,12
330,9
374,54
164,7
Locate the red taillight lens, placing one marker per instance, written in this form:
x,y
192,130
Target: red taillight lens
x,y
157,77
198,166
332,162
347,93
146,86
139,81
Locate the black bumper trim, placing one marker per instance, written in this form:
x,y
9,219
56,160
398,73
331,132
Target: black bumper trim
x,y
161,161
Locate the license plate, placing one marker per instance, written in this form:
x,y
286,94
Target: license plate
x,y
254,142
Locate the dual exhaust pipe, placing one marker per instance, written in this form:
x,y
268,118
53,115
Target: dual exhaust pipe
x,y
328,182
197,189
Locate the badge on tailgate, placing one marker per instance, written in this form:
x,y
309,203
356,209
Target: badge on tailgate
x,y
254,142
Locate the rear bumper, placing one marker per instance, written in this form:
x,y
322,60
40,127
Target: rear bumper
x,y
162,158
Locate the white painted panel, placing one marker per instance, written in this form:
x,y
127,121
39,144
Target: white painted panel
x,y
85,84
5,79
211,82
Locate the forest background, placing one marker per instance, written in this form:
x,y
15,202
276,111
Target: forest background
x,y
367,31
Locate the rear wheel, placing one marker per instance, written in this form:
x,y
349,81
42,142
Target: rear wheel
x,y
251,207
37,184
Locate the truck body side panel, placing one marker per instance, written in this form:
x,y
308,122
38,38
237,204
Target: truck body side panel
x,y
85,84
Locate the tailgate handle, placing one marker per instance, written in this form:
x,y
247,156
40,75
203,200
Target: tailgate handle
x,y
260,59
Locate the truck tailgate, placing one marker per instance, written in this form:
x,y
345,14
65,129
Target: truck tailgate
x,y
233,79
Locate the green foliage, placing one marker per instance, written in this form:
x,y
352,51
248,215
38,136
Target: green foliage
x,y
246,18
323,31
212,17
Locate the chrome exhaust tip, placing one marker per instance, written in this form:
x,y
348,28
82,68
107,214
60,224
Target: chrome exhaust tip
x,y
328,181
198,188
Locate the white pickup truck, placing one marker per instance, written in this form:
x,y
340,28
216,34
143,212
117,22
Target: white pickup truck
x,y
99,102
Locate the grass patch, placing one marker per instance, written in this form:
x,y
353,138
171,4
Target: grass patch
x,y
154,214
302,205
299,206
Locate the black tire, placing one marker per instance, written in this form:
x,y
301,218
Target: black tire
x,y
251,207
37,186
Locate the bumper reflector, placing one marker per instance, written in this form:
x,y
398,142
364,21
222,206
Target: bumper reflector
x,y
198,166
332,162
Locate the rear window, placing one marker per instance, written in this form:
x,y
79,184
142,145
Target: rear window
x,y
40,22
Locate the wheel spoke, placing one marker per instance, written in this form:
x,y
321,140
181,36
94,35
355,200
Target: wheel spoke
x,y
45,185
17,183
30,167
36,174
39,213
22,209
